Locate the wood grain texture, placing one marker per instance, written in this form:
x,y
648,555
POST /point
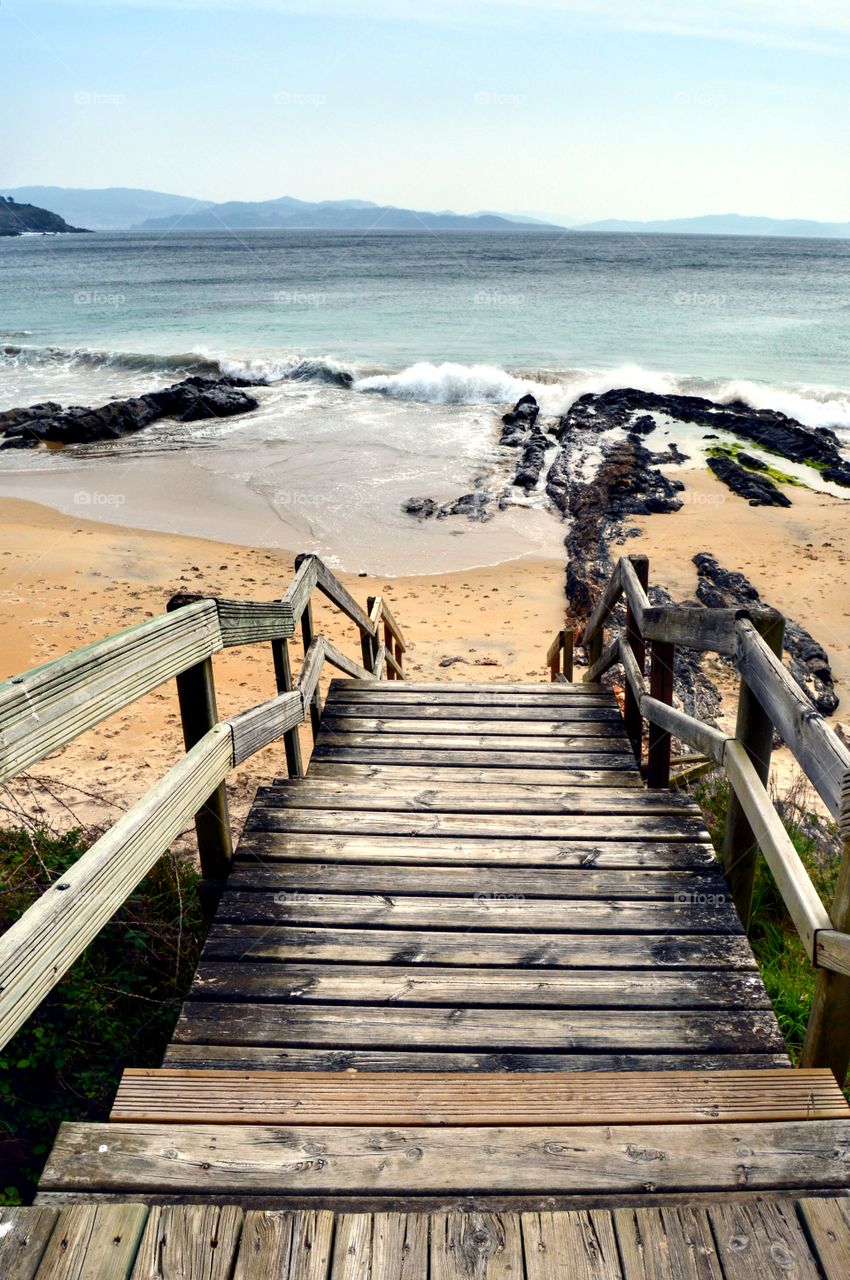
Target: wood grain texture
x,y
24,1234
192,1242
827,1226
659,1243
94,1242
764,1240
285,1246
570,1246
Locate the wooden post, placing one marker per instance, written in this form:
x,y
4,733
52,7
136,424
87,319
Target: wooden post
x,y
827,1042
367,645
399,656
632,716
198,712
569,646
662,660
595,647
555,660
388,645
307,635
284,683
754,729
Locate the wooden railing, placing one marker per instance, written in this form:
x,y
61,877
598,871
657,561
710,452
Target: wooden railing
x,y
769,698
48,707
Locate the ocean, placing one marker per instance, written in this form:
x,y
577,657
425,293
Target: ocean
x,y
385,360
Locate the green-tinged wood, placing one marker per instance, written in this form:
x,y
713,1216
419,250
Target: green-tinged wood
x,y
754,731
94,1242
279,1245
284,684
49,706
257,1159
250,621
24,1234
827,1226
256,728
827,1041
192,1242
761,1240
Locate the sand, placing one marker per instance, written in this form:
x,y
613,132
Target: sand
x,y
65,582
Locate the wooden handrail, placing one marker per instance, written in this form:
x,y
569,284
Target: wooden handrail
x,y
770,698
54,703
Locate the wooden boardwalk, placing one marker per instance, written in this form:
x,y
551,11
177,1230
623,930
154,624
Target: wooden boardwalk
x,y
468,961
807,1239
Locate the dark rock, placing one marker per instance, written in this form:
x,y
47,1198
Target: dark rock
x,y
838,475
473,505
533,457
754,464
760,491
422,508
643,425
721,588
193,398
517,423
19,442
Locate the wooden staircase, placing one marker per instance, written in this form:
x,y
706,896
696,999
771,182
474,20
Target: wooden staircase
x,y
468,961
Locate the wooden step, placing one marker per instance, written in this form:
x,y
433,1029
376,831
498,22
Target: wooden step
x,y
450,1098
246,1160
470,775
516,826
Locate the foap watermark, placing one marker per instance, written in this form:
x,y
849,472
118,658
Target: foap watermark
x,y
299,298
95,498
697,898
95,98
286,896
295,98
495,98
694,498
497,298
700,100
495,899
691,298
98,298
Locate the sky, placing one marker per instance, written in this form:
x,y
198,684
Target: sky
x,y
571,109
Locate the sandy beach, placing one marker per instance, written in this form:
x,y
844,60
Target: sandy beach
x,y
67,581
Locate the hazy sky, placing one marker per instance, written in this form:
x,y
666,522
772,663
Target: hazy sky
x,y
620,108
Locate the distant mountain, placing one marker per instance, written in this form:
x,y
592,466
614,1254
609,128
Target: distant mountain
x,y
288,213
726,224
18,219
109,208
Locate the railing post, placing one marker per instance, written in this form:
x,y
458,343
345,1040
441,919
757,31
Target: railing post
x,y
284,683
399,657
569,650
367,644
307,636
595,646
754,729
198,712
632,716
555,663
389,645
661,667
827,1042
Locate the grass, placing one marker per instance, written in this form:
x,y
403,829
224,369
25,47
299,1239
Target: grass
x,y
115,1007
788,974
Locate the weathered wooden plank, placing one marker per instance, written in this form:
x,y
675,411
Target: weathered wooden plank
x,y
45,941
405,985
763,1240
298,593
827,1225
709,742
570,1246
608,658
559,715
24,1234
367,1026
279,1245
272,846
476,1246
675,1242
431,749
471,776
301,944
192,1242
652,827
453,797
94,1242
331,587
50,705
342,662
564,915
540,735
381,1246
165,1096
410,695
253,1159
494,884
450,687
256,728
611,593
251,621
300,1058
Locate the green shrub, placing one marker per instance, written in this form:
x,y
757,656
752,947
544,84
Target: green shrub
x,y
115,1007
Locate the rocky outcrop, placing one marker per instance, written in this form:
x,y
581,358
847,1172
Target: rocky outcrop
x,y
809,662
532,460
518,422
767,427
759,490
192,399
